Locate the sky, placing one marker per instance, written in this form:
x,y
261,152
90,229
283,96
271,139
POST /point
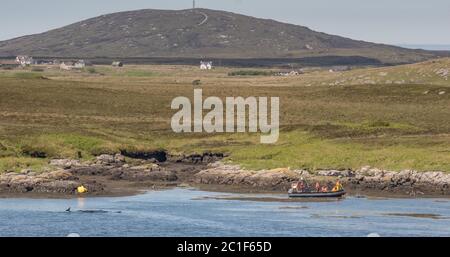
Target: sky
x,y
399,22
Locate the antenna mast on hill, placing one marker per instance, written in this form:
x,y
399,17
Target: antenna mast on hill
x,y
193,4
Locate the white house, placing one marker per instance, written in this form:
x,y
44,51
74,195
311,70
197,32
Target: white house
x,y
24,60
64,66
80,64
309,47
117,64
289,73
206,65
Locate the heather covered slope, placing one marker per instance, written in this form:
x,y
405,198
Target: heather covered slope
x,y
324,125
196,33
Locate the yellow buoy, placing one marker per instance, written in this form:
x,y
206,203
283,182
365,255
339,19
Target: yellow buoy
x,y
82,190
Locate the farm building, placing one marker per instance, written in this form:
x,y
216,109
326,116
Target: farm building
x,y
80,64
8,64
289,73
206,65
117,64
24,60
66,66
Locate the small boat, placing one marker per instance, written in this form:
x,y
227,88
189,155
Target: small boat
x,y
340,193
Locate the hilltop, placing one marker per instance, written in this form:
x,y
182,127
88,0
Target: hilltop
x,y
197,33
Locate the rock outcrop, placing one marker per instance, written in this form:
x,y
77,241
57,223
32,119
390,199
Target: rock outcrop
x,y
222,174
366,178
205,169
197,158
432,182
58,181
64,163
69,174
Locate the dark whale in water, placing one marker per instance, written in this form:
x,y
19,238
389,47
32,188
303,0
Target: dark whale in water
x,y
91,211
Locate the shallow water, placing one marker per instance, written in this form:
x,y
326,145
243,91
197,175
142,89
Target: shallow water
x,y
189,212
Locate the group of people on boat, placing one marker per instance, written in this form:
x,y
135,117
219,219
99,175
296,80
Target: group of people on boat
x,y
302,186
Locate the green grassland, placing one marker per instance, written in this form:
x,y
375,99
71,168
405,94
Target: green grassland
x,y
392,117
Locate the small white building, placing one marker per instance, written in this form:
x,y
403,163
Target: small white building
x,y
64,66
117,64
289,73
308,47
24,60
206,65
80,64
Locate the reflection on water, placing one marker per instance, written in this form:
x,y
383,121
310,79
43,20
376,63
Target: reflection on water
x,y
81,202
187,212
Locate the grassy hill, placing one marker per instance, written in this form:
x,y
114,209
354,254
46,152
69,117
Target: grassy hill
x,y
434,72
324,125
197,33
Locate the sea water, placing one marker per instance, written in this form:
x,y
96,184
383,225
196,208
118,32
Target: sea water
x,y
191,212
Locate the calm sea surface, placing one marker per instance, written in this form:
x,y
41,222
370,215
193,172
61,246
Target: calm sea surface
x,y
190,212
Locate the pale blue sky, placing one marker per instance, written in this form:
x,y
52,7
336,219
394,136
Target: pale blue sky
x,y
382,21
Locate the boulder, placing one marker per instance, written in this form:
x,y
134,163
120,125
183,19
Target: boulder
x,y
335,173
108,159
64,163
105,159
118,158
57,175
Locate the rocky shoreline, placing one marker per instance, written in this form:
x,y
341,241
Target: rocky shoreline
x,y
364,180
113,175
107,175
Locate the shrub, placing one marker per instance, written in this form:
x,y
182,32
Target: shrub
x,y
196,82
91,70
250,73
34,151
37,69
28,75
379,123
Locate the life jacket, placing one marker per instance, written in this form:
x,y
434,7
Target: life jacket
x,y
81,190
337,187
